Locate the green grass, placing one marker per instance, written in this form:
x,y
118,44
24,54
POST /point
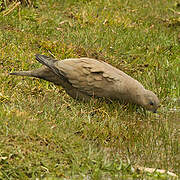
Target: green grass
x,y
46,134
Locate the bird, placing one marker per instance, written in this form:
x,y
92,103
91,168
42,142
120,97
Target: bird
x,y
84,78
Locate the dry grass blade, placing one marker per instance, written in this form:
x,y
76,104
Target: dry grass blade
x,y
7,2
9,5
11,8
153,170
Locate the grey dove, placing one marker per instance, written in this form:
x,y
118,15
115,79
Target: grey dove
x,y
83,78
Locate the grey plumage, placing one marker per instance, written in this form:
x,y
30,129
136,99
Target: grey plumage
x,y
83,78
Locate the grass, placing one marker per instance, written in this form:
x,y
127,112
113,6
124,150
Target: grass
x,y
46,134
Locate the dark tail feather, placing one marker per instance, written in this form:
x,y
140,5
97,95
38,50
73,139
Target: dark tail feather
x,y
48,73
22,73
49,62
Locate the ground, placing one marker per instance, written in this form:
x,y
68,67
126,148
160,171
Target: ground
x,y
46,134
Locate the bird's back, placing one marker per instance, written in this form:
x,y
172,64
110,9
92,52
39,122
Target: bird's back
x,y
96,78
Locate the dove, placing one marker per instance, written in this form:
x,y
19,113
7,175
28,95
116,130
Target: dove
x,y
84,78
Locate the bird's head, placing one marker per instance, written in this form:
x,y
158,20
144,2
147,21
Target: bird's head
x,y
150,101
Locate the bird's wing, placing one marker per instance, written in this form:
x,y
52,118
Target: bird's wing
x,y
90,76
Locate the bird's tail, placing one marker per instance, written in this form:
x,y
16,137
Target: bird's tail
x,y
45,72
22,73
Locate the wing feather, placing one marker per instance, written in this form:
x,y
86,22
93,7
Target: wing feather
x,y
89,76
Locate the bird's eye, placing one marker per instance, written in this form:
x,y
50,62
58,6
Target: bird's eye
x,y
151,103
